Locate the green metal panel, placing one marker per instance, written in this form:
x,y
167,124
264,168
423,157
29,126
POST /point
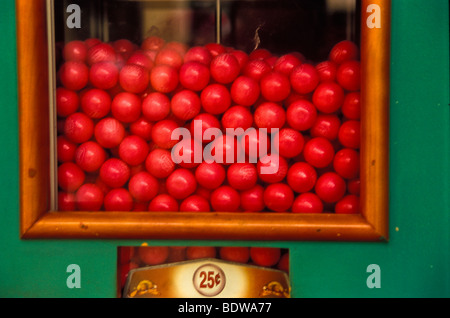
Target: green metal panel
x,y
414,263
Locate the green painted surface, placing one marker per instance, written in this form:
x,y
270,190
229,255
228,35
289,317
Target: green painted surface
x,y
414,263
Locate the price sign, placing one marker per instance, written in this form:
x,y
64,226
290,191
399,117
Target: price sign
x,y
209,280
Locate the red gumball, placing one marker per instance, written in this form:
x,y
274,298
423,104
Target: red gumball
x,y
304,78
301,177
89,156
351,108
124,47
156,106
198,252
330,187
89,197
290,143
118,199
318,152
99,53
235,254
78,127
307,202
143,186
133,150
194,75
198,54
141,58
224,68
326,126
287,62
181,183
142,128
104,75
210,175
349,204
245,91
195,203
350,134
256,69
153,255
153,42
162,133
109,132
134,78
96,103
349,75
70,176
185,104
344,51
187,153
159,163
65,149
126,107
301,114
163,202
346,163
272,168
67,102
177,254
242,176
215,48
328,97
75,51
241,56
278,197
265,256
259,54
224,149
252,200
237,117
354,186
169,56
66,201
269,115
201,123
215,98
275,86
114,173
74,75
327,71
225,199
164,78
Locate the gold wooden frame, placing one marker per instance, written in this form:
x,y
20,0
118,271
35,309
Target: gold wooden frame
x,y
37,221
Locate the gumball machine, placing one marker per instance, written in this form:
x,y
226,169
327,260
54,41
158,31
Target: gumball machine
x,y
200,144
252,111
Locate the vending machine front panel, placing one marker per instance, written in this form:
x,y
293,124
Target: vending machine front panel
x,y
110,91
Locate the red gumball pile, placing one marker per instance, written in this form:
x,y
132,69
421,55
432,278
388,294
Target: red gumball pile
x,y
119,104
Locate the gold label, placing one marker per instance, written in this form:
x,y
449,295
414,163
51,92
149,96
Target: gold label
x,y
209,280
206,278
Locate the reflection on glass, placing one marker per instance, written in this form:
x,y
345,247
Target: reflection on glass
x,y
308,26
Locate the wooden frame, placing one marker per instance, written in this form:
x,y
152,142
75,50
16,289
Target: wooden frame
x,y
38,221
